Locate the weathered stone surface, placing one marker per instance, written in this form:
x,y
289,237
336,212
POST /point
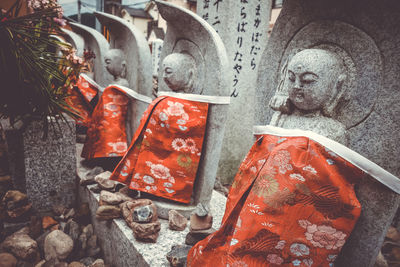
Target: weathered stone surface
x,y
124,197
192,238
7,260
61,264
21,245
147,232
144,214
200,223
57,245
17,205
244,47
129,207
176,221
45,168
98,263
178,255
108,198
108,212
104,182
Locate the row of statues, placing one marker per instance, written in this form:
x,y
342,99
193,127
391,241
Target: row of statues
x,y
293,199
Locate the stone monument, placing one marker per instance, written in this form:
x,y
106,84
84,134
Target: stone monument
x,y
129,61
75,40
189,46
242,26
156,48
95,41
358,38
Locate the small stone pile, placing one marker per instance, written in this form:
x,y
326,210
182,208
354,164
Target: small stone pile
x,y
200,225
116,200
27,239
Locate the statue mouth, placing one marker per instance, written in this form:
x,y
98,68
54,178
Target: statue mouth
x,y
298,95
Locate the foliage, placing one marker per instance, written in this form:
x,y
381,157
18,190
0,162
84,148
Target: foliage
x,y
33,78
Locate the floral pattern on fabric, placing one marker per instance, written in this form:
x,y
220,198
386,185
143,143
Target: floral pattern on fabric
x,y
165,151
81,98
288,206
106,134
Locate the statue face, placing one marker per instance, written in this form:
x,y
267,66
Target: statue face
x,y
115,63
177,73
312,78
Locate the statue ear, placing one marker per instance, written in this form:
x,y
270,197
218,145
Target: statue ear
x,y
123,74
331,105
190,81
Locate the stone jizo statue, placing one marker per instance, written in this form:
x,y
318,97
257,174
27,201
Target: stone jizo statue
x,y
310,92
116,65
179,72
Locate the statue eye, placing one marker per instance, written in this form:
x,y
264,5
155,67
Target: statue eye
x,y
168,70
309,78
108,61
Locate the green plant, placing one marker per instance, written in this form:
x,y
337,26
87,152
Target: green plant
x,y
33,79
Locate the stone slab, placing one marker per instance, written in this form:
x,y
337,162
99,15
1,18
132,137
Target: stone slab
x,y
44,168
243,27
119,246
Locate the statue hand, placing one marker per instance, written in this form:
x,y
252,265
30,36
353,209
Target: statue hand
x,y
281,103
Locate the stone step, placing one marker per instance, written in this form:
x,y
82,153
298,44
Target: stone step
x,y
116,239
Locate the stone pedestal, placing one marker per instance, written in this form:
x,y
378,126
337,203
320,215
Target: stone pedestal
x,y
44,168
116,239
243,27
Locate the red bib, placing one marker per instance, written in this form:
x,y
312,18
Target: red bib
x,y
106,134
80,97
165,151
292,203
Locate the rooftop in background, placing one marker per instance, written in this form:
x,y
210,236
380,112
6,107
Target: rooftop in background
x,y
136,12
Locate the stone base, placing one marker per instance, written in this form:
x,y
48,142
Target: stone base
x,y
164,207
44,168
119,246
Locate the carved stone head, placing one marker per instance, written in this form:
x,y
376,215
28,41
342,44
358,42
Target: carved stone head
x,y
313,82
179,72
115,63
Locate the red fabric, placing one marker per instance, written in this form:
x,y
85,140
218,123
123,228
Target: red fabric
x,y
165,152
106,134
292,204
80,97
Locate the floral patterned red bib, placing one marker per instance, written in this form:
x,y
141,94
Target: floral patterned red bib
x,y
292,204
165,151
106,134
